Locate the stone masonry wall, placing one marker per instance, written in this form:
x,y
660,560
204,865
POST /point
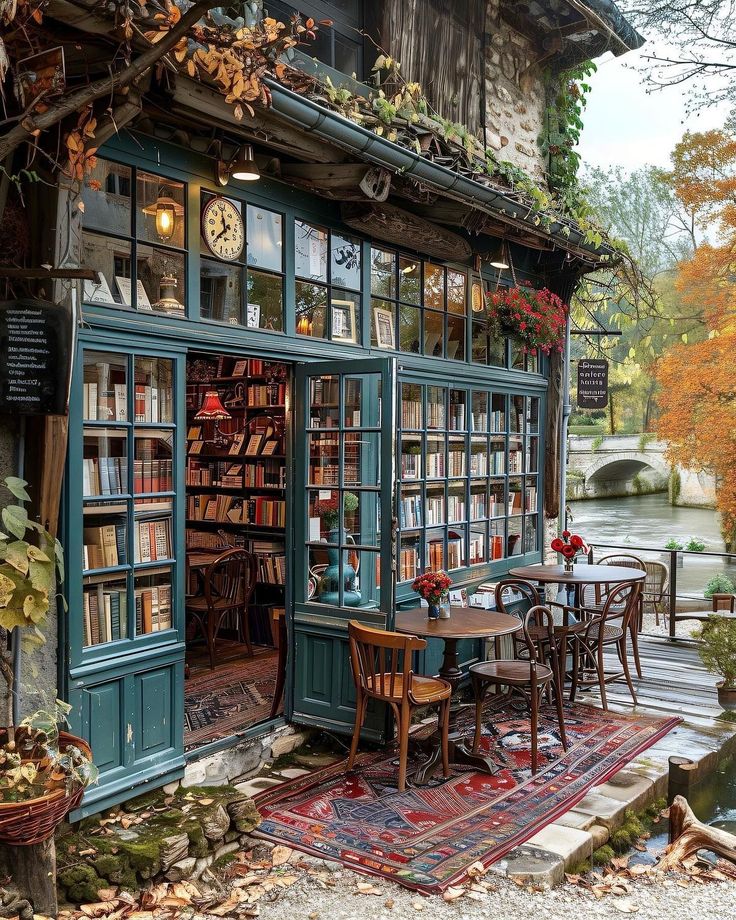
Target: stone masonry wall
x,y
515,95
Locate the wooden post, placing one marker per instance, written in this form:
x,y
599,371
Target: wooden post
x,y
33,871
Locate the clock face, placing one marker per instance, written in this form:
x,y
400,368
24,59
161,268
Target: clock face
x,y
222,229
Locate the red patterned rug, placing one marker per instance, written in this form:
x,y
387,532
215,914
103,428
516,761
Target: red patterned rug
x,y
427,837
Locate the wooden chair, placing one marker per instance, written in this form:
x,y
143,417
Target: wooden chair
x,y
528,676
381,663
656,594
602,629
229,582
626,561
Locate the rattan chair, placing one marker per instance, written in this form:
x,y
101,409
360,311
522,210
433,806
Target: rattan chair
x,y
527,675
382,670
626,561
655,596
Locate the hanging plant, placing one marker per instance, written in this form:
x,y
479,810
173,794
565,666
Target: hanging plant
x,y
538,318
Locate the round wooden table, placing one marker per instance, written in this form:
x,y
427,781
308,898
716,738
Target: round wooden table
x,y
580,575
464,623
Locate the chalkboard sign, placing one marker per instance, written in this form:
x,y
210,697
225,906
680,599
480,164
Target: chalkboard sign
x,y
35,357
592,383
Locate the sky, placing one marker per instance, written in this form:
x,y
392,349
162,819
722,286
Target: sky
x,y
626,126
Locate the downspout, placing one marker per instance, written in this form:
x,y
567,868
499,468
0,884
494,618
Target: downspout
x,y
566,412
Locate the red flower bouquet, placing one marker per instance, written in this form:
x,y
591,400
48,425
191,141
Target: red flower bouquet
x,y
569,546
537,317
432,586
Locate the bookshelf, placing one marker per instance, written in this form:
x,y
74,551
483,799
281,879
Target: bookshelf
x,y
468,490
235,471
128,496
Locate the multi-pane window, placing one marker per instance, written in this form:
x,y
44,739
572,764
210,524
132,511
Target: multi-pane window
x,y
134,235
327,266
338,45
468,477
417,306
128,475
247,290
498,352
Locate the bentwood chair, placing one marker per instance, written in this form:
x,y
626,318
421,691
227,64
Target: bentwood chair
x,y
381,663
626,561
602,629
229,582
527,676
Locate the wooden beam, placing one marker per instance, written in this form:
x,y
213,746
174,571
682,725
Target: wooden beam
x,y
61,274
395,225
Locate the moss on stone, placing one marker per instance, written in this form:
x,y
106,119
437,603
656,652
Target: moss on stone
x,y
143,854
81,884
224,860
198,845
602,856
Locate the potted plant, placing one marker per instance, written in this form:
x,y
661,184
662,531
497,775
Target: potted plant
x,y
719,584
433,587
43,771
695,545
717,650
569,546
328,510
674,544
537,317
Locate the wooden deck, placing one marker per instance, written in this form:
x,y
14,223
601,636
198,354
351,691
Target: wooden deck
x,y
674,682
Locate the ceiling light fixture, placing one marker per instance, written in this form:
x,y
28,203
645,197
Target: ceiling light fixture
x,y
499,257
243,166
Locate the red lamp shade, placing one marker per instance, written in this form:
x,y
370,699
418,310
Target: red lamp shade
x,y
212,408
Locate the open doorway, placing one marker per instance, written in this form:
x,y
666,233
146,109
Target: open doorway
x,y
236,489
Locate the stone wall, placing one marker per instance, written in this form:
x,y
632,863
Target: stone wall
x,y
515,95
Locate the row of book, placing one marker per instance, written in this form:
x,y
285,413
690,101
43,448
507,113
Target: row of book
x,y
223,473
455,508
153,475
153,610
268,394
104,475
104,615
224,509
104,546
456,462
272,568
105,395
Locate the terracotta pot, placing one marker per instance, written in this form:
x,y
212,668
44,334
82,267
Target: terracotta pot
x,y
726,697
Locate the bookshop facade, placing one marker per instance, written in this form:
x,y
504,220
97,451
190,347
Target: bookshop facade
x,y
253,374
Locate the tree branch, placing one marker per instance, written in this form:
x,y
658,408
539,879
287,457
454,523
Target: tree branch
x,y
76,101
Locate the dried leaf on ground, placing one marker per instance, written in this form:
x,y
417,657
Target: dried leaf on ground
x,y
452,894
280,855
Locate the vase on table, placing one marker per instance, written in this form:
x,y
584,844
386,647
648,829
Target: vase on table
x,y
336,572
569,565
433,611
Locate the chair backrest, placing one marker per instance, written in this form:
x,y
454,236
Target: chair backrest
x,y
539,617
597,594
381,660
231,578
620,605
724,602
504,598
655,584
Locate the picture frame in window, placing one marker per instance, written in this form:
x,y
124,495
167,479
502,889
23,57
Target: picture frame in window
x,y
383,321
344,326
98,291
253,316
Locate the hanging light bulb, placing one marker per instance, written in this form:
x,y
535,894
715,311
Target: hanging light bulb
x,y
244,166
165,210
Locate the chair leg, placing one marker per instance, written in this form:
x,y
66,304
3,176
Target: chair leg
x,y
445,731
211,633
479,694
561,719
627,675
534,693
245,628
359,715
635,647
404,723
598,661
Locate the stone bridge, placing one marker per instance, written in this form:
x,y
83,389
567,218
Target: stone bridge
x,y
615,465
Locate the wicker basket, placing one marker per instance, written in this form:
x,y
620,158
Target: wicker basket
x,y
35,820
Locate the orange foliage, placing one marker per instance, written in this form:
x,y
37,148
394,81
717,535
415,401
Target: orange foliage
x,y
698,413
706,287
704,175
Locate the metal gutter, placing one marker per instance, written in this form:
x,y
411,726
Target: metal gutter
x,y
334,128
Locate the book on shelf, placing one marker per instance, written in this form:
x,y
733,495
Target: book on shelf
x,y
104,614
456,462
496,547
153,609
104,546
410,466
264,395
434,510
410,510
90,401
408,564
455,555
153,476
104,475
457,416
455,508
477,548
411,413
435,555
436,465
152,540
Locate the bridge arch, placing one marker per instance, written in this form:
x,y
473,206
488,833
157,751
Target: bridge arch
x,y
624,465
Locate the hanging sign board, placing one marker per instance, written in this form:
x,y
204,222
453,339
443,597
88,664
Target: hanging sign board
x,y
35,357
592,383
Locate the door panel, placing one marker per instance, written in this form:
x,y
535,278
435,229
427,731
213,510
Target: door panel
x,y
103,717
153,692
343,527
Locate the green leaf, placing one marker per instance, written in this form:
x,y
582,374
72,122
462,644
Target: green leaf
x,y
15,518
684,337
17,487
17,556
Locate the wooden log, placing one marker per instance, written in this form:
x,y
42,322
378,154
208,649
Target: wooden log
x,y
33,872
395,225
688,835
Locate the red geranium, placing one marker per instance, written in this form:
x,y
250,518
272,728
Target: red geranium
x,y
557,544
537,317
432,586
576,541
569,545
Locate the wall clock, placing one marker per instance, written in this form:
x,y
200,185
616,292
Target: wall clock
x,y
223,229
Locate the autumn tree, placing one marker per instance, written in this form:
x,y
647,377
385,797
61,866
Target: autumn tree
x,y
698,379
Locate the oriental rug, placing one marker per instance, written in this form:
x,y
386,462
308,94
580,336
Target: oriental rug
x,y
428,836
228,700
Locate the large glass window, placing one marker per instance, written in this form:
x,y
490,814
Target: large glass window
x,y
128,496
418,307
134,235
242,285
469,470
327,288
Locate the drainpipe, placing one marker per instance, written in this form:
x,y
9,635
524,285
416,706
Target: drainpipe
x,y
566,411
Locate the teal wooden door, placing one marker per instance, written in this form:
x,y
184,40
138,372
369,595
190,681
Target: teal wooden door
x,y
124,542
344,526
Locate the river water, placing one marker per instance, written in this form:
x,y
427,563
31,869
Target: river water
x,y
649,521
